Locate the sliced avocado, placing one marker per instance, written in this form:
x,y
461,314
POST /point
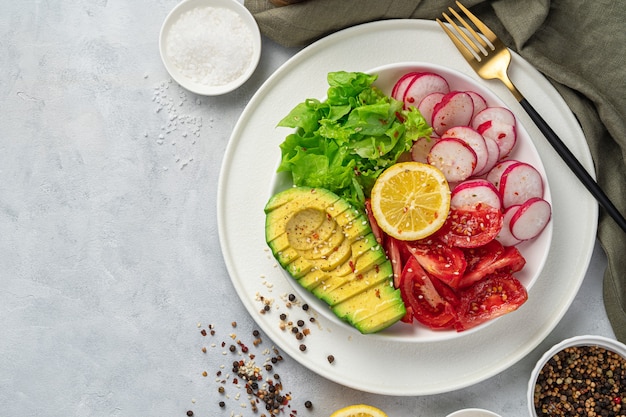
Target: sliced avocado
x,y
358,283
315,200
363,265
363,244
369,308
381,319
328,247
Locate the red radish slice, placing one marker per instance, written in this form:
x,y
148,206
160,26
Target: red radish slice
x,y
499,114
474,191
420,149
493,156
504,134
401,85
495,174
520,182
427,105
480,103
455,158
530,219
475,140
505,236
454,109
422,85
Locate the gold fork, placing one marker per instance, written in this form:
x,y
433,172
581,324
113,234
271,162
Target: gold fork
x,y
490,58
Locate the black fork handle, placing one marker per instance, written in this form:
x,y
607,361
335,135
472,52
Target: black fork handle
x,y
574,165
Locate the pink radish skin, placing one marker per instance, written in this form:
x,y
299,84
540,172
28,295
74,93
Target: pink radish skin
x,y
495,174
420,149
504,134
427,105
505,236
475,140
480,103
530,219
401,85
520,182
499,114
454,109
474,191
493,156
423,84
455,158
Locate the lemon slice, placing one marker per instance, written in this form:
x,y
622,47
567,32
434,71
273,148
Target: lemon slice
x,y
410,200
359,410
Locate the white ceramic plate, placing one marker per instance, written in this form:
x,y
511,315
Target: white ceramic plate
x,y
381,364
534,251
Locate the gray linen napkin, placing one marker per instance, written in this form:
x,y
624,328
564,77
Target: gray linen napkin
x,y
579,46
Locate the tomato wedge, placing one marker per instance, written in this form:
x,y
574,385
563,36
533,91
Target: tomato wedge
x,y
490,258
471,226
421,295
492,297
444,262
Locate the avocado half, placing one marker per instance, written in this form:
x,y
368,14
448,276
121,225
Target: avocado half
x,y
328,247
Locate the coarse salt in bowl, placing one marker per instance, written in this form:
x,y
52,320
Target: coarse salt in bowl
x,y
210,47
596,379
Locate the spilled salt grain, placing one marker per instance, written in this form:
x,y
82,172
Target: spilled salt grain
x,y
210,45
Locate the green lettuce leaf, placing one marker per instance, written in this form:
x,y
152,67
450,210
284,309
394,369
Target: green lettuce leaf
x,y
344,142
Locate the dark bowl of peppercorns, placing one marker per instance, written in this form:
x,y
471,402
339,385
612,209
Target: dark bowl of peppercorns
x,y
581,376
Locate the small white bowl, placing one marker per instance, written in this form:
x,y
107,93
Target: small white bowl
x,y
473,412
587,340
191,37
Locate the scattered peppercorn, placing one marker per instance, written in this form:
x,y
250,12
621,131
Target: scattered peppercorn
x,y
308,404
302,347
331,358
305,307
190,413
222,404
291,297
255,333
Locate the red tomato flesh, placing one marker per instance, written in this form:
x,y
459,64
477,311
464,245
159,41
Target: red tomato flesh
x,y
492,297
471,226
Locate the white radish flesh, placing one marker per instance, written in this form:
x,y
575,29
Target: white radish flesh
x,y
530,219
499,114
520,182
474,191
420,149
493,156
423,84
401,85
495,174
480,103
454,109
504,134
427,105
505,236
455,158
475,140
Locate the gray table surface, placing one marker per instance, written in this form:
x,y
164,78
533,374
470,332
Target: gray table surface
x,y
109,256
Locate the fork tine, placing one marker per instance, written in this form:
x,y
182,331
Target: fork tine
x,y
480,25
461,32
471,30
467,54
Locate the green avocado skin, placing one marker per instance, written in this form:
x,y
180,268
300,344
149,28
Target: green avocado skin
x,y
328,247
